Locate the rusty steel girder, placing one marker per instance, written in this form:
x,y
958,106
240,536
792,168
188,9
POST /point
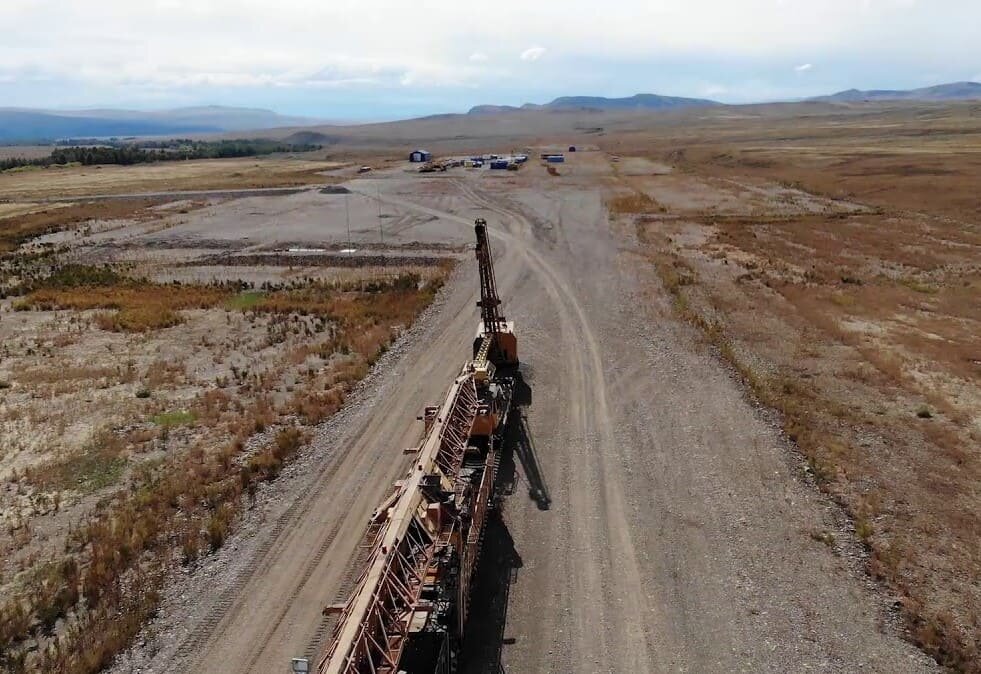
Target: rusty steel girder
x,y
418,531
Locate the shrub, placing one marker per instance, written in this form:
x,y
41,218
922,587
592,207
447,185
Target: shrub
x,y
864,529
138,319
287,442
218,526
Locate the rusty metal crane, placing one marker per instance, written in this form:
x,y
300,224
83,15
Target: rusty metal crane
x,y
495,340
410,605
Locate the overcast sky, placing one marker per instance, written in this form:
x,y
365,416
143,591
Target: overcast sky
x,y
382,59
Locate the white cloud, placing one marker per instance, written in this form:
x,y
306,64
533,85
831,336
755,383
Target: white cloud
x,y
713,90
166,29
532,53
113,47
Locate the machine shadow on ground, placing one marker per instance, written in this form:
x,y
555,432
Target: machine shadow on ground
x,y
500,561
496,572
519,449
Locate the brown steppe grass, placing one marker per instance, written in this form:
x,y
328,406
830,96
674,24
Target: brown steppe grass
x,y
203,174
861,330
84,605
17,229
137,306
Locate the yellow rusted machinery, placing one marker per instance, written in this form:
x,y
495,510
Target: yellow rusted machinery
x,y
409,608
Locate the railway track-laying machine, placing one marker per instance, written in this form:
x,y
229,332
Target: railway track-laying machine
x,y
410,605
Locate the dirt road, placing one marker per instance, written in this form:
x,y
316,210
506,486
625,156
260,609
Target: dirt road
x,y
671,525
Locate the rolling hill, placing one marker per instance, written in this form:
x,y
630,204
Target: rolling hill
x,y
956,91
636,102
24,125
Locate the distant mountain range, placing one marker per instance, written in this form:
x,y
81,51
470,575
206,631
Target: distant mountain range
x,y
23,124
637,102
956,91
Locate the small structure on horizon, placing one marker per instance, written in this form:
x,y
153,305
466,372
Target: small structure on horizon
x,y
572,148
420,156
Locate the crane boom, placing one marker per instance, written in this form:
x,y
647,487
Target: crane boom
x,y
495,342
409,607
489,301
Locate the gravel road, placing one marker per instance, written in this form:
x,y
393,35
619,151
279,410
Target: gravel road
x,y
671,524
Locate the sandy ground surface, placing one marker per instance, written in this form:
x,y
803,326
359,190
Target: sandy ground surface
x,y
677,532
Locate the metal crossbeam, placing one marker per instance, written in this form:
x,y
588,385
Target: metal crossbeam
x,y
489,301
374,625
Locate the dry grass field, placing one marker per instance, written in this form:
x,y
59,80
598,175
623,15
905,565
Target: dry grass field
x,y
135,415
205,174
143,399
25,151
21,222
836,263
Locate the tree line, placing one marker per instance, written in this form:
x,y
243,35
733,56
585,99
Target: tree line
x,y
154,151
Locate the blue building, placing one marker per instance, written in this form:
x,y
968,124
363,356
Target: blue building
x,y
420,156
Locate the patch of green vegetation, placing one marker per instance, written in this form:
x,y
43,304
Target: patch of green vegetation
x,y
90,152
919,286
88,471
21,169
244,301
77,276
178,418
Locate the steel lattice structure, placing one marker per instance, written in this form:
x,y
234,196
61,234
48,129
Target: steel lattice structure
x,y
376,621
489,302
410,605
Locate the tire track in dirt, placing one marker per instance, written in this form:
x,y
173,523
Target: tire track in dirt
x,y
587,389
591,394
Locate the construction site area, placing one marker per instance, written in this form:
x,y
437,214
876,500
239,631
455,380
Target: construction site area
x,y
672,403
